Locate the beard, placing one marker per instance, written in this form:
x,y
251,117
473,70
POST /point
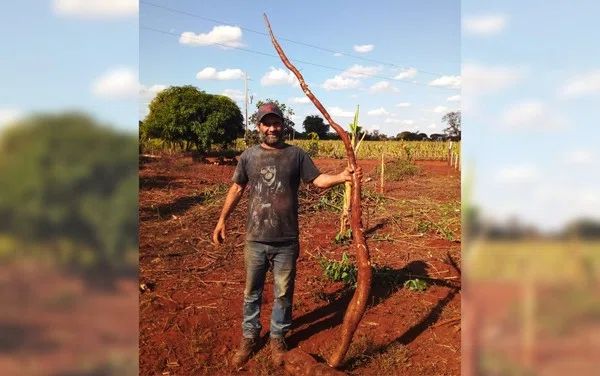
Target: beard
x,y
272,139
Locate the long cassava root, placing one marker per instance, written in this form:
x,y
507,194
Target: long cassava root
x,y
358,304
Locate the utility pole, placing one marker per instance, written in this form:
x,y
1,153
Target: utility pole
x,y
246,103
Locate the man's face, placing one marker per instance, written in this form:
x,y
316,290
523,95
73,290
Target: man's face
x,y
271,129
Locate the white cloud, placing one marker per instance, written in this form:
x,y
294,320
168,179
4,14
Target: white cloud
x,y
392,120
454,98
382,86
300,100
360,71
234,94
364,48
146,95
340,83
224,35
484,25
406,73
378,112
446,81
350,78
337,54
523,113
339,112
149,92
9,116
480,79
96,8
278,76
118,83
531,114
210,73
584,84
403,104
440,109
432,126
524,173
580,157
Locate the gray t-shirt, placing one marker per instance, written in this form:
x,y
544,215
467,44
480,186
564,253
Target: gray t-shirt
x,y
273,178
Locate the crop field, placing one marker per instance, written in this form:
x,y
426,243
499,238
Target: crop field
x,y
191,304
534,306
417,150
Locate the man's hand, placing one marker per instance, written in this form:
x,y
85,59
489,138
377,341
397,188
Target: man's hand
x,y
348,171
327,180
219,233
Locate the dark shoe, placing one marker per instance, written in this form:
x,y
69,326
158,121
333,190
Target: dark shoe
x,y
278,350
243,353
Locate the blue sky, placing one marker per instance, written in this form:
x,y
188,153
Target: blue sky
x,y
70,54
531,85
530,77
420,41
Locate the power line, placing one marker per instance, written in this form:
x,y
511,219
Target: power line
x,y
302,61
286,39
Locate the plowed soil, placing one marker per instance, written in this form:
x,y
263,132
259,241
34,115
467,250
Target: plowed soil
x,y
191,303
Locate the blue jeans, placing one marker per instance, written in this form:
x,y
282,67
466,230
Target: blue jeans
x,y
258,258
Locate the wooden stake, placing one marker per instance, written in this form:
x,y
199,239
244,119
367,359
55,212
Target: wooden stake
x,y
381,187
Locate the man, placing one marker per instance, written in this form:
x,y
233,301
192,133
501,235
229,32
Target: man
x,y
272,170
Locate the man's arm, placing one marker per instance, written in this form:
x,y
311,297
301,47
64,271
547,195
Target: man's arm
x,y
328,180
233,197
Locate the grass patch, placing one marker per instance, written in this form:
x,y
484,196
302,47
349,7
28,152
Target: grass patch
x,y
339,271
399,169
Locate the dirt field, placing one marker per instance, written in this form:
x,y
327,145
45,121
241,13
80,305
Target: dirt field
x,y
55,324
191,308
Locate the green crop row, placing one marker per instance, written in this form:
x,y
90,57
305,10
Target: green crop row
x,y
415,150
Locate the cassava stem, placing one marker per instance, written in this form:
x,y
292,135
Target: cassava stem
x,y
358,304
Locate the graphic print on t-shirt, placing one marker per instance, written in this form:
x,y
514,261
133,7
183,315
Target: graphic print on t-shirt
x,y
268,174
263,214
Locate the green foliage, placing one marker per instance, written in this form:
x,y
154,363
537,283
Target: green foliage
x,y
70,184
343,237
416,285
313,145
339,271
420,150
332,199
399,169
411,136
287,111
186,117
315,124
442,229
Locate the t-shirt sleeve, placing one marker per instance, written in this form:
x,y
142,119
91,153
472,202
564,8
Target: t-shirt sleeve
x,y
240,175
308,170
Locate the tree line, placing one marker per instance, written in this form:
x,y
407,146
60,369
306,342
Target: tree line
x,y
191,119
68,191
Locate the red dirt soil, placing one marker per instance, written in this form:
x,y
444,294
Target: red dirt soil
x,y
191,308
55,324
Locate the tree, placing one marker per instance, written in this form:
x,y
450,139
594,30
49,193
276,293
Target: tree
x,y
186,116
453,121
315,123
411,136
70,184
288,112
